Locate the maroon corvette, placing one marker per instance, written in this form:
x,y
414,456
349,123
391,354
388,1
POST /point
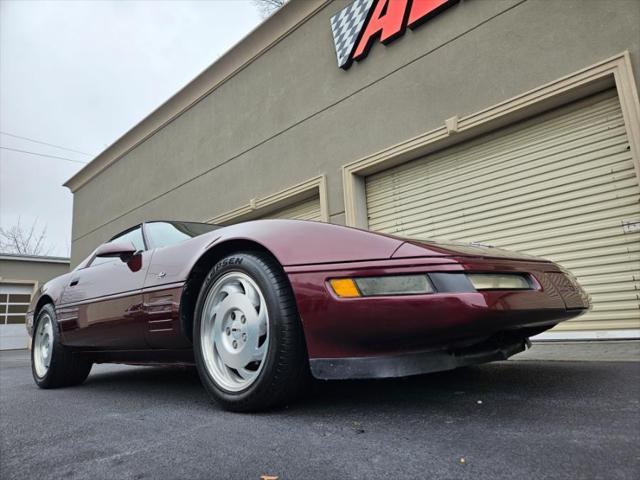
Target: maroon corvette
x,y
260,306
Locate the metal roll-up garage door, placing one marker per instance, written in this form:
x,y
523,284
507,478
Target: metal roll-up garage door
x,y
305,210
561,186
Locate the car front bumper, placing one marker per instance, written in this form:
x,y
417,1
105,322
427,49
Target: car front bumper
x,y
365,331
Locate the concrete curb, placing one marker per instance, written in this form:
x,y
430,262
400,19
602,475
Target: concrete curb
x,y
593,351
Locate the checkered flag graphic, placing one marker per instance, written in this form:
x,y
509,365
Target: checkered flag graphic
x,y
346,25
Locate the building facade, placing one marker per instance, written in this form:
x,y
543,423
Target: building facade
x,y
20,278
507,122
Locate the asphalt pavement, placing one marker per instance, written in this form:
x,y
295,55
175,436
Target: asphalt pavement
x,y
516,419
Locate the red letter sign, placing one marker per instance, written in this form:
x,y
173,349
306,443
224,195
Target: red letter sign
x,y
387,20
422,10
357,26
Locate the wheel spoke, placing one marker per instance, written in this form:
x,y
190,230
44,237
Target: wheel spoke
x,y
258,353
251,292
245,374
263,321
231,288
224,369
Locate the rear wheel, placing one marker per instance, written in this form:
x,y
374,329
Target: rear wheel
x,y
248,341
52,364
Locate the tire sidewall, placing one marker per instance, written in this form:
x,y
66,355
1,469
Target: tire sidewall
x,y
252,266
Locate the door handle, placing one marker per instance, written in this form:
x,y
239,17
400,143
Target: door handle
x,y
74,282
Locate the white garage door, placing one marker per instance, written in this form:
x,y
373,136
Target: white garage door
x,y
305,210
14,303
561,186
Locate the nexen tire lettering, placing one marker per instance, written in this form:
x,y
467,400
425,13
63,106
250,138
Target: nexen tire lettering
x,y
228,261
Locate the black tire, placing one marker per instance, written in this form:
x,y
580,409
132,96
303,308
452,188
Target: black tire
x,y
286,366
66,368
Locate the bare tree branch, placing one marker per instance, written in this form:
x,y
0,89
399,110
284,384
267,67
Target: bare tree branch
x,y
267,7
27,241
40,241
21,241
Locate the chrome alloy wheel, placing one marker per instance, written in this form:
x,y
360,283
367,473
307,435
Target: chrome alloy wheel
x,y
43,346
234,331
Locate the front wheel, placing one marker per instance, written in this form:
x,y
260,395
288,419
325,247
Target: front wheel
x,y
52,364
248,341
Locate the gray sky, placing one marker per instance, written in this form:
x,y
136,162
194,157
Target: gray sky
x,y
80,74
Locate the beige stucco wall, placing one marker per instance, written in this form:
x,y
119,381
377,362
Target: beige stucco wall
x,y
292,114
31,271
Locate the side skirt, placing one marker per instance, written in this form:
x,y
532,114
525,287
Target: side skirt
x,y
141,357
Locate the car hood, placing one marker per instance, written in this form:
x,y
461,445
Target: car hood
x,y
419,247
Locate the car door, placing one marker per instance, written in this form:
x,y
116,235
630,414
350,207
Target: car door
x,y
163,286
102,306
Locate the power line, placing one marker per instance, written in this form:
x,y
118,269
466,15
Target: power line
x,y
45,143
44,155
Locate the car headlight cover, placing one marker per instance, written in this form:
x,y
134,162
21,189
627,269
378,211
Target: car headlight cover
x,y
499,281
386,285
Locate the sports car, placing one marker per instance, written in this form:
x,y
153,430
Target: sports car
x,y
260,307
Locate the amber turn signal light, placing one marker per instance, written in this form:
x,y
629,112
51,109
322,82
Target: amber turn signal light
x,y
345,287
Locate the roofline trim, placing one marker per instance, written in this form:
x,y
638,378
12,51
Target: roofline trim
x,y
34,258
251,47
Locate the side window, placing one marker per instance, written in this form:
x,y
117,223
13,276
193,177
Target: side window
x,y
162,234
101,260
134,236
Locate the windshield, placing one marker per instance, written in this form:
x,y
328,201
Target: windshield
x,y
163,234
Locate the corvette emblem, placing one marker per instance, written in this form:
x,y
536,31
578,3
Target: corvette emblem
x,y
356,27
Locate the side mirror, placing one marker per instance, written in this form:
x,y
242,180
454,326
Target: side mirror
x,y
124,250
